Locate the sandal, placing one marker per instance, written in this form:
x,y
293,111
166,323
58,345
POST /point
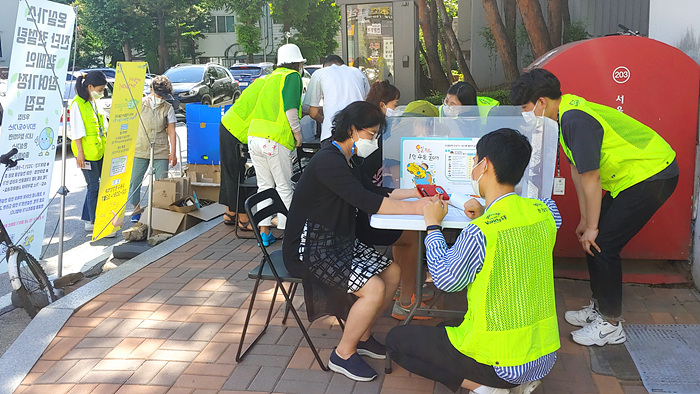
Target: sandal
x,y
229,220
244,226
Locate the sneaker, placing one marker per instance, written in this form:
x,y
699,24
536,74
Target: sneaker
x,y
491,390
135,218
89,226
600,332
371,348
400,312
525,388
267,239
136,211
583,317
354,368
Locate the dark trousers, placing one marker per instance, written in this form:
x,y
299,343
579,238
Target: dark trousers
x,y
232,170
92,178
427,351
621,218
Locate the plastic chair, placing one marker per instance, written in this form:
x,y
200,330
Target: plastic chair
x,y
247,183
271,268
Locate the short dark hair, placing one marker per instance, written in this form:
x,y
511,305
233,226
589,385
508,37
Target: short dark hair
x,y
94,78
333,59
509,151
382,92
360,114
533,85
466,94
292,66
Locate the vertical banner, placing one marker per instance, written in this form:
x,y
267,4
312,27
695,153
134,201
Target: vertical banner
x,y
38,66
119,152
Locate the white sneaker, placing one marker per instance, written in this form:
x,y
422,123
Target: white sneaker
x,y
525,388
600,332
490,390
89,226
583,317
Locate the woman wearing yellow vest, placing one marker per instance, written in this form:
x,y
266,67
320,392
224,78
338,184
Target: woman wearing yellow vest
x,y
89,135
608,151
157,125
509,335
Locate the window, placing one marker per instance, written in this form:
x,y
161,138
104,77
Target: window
x,y
222,24
221,72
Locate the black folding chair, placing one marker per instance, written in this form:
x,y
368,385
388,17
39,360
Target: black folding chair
x,y
305,152
248,183
271,268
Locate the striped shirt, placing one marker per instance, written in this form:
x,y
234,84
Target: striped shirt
x,y
452,269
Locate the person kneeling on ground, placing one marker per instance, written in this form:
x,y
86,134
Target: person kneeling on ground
x,y
509,335
342,276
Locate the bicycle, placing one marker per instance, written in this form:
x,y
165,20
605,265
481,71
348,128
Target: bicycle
x,y
27,277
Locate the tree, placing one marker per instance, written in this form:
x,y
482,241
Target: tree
x,y
454,44
555,13
316,39
427,20
536,27
504,43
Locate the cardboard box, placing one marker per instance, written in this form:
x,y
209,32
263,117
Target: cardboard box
x,y
207,191
167,191
170,222
183,205
204,173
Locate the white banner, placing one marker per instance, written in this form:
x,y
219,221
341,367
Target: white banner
x,y
41,47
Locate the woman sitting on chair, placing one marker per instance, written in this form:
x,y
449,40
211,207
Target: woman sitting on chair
x,y
342,276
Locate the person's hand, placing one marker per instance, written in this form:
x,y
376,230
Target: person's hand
x,y
80,159
298,138
581,228
588,239
173,159
434,211
473,209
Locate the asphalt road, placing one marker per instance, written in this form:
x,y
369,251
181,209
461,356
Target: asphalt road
x,y
78,250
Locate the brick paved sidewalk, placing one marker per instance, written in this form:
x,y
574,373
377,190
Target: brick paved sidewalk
x,y
174,327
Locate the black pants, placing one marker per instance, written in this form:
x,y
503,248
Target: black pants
x,y
621,218
232,169
427,351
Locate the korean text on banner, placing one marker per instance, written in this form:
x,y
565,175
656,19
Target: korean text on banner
x,y
38,65
119,152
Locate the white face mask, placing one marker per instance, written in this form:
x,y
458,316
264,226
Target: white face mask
x,y
157,101
96,95
475,183
364,148
390,112
532,119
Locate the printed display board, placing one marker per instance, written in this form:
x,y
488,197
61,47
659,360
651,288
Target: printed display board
x,y
38,65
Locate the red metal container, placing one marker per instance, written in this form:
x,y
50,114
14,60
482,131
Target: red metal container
x,y
656,84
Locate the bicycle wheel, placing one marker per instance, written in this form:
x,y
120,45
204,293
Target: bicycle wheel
x,y
36,291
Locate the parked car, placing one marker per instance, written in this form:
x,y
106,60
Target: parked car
x,y
245,74
312,68
208,84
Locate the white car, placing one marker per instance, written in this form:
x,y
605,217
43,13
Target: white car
x,y
104,104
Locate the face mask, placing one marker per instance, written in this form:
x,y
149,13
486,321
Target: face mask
x,y
157,101
364,148
475,183
532,119
97,95
390,112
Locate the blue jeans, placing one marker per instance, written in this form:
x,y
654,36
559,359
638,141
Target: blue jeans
x,y
92,177
137,173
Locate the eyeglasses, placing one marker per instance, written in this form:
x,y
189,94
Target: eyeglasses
x,y
375,134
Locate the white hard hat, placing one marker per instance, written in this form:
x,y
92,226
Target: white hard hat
x,y
289,53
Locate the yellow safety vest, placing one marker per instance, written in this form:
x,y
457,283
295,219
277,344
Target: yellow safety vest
x,y
93,143
250,116
631,151
511,318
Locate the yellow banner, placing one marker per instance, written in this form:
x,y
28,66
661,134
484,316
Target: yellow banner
x,y
119,152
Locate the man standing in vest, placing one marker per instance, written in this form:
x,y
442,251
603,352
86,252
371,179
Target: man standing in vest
x,y
266,117
609,151
509,336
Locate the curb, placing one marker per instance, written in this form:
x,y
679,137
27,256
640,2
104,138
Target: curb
x,y
26,350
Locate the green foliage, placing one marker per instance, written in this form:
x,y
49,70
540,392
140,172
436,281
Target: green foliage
x,y
502,95
576,31
316,39
436,98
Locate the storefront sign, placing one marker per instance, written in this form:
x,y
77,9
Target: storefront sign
x,y
38,65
